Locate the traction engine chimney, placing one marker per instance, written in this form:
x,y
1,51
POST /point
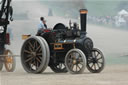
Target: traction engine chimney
x,y
83,19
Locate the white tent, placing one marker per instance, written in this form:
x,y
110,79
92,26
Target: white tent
x,y
123,12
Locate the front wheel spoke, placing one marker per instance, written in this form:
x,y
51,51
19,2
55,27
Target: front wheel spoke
x,y
74,56
72,66
99,58
96,54
90,61
94,66
98,65
80,59
78,66
100,62
81,63
69,60
71,55
89,58
77,55
93,54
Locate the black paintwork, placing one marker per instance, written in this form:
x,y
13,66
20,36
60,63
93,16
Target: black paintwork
x,y
70,38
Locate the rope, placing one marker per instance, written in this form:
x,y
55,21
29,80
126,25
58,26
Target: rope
x,y
10,55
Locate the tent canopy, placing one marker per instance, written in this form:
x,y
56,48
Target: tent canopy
x,y
123,12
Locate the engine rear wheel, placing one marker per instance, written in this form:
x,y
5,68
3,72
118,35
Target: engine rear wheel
x,y
33,55
10,62
47,53
75,61
96,62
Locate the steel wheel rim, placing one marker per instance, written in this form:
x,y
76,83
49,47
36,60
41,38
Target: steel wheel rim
x,y
33,55
47,53
96,62
75,63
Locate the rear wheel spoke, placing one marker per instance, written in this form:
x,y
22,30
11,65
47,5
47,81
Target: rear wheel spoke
x,y
38,60
30,45
30,49
39,54
28,59
26,51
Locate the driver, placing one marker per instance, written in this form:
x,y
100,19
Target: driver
x,y
42,25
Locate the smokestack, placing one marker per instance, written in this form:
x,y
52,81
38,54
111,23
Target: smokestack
x,y
83,17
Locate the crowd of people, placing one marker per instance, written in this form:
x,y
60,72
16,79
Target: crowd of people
x,y
111,21
104,20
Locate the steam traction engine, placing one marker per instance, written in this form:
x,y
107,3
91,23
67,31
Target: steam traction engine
x,y
63,49
5,54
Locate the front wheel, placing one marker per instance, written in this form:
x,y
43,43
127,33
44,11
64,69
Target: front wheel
x,y
95,62
75,61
